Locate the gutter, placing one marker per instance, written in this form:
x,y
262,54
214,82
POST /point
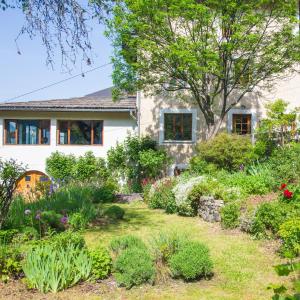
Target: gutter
x,y
17,108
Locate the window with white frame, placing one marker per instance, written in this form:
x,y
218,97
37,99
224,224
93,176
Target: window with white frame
x,y
177,125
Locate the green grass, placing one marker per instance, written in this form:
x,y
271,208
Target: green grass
x,y
242,266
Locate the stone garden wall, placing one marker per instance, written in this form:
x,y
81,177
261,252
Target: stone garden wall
x,y
209,209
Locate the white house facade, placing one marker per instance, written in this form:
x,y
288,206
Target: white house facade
x,y
31,131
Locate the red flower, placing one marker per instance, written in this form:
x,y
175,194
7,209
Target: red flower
x,y
287,194
283,186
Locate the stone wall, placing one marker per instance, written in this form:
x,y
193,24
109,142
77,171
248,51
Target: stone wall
x,y
209,209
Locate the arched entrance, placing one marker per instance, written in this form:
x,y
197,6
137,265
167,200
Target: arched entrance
x,y
28,184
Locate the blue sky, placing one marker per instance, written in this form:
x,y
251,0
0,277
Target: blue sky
x,y
22,73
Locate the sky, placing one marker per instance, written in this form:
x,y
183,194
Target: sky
x,y
23,73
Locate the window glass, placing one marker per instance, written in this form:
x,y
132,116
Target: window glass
x,y
45,132
11,132
28,132
241,123
98,128
63,132
80,132
178,127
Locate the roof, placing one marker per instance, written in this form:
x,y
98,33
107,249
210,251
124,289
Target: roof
x,y
98,101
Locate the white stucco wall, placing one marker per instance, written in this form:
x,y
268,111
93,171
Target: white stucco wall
x,y
116,127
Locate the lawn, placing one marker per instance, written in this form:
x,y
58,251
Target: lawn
x,y
243,266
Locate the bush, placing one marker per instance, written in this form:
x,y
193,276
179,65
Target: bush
x,y
268,218
10,262
65,239
88,166
166,244
105,192
115,212
230,215
135,159
186,205
101,263
289,232
51,269
26,234
50,219
200,167
133,267
284,164
60,166
226,151
160,195
127,241
77,221
6,236
192,261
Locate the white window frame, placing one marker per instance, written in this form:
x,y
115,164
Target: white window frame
x,y
177,111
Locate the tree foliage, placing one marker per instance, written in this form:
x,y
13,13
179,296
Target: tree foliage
x,y
210,53
61,24
10,171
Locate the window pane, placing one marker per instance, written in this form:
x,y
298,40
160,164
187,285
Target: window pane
x,y
63,132
80,132
178,127
187,127
242,124
28,132
11,130
98,138
45,132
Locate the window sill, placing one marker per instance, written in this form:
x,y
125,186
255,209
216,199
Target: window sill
x,y
177,142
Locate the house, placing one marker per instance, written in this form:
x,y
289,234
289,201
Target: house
x,y
31,131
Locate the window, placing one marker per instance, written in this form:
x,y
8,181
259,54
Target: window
x,y
80,132
178,126
241,123
27,132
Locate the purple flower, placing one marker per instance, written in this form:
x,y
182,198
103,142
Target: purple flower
x,y
64,220
242,167
38,215
27,211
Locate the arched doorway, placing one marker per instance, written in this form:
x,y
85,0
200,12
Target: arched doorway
x,y
29,183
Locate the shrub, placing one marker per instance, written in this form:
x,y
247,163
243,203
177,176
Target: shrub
x,y
186,205
161,195
192,261
230,215
289,232
66,238
77,221
26,234
133,267
88,166
268,218
51,269
105,192
6,236
226,151
10,262
101,263
115,212
200,167
135,159
284,164
124,242
166,244
60,166
51,219
153,162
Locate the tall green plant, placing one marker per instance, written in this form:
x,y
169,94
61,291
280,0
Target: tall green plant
x,y
50,269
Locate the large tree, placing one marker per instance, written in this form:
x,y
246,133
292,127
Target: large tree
x,y
209,52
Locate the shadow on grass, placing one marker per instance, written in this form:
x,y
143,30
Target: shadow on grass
x,y
135,219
